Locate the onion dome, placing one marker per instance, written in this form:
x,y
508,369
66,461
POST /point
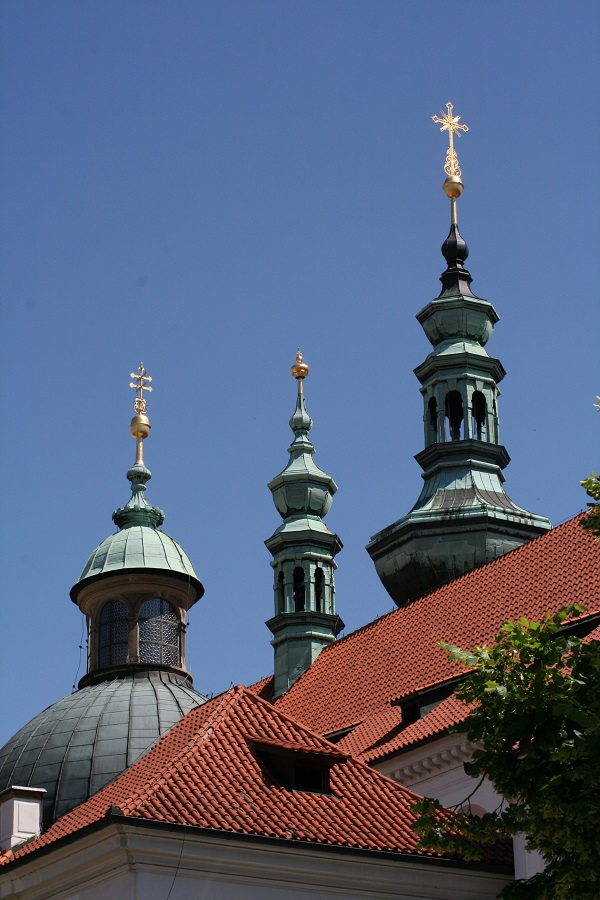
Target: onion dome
x,y
138,545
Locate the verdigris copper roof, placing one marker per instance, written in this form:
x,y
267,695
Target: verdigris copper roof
x,y
139,544
136,547
302,489
76,746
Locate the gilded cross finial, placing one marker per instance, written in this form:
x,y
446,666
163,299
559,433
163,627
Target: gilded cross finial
x,y
450,123
139,404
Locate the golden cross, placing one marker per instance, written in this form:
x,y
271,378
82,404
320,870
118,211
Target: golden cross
x,y
139,403
449,123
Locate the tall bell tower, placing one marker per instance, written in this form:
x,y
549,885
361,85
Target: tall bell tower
x,y
463,516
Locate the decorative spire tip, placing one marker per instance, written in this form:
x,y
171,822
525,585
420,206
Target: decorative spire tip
x,y
140,424
452,186
300,368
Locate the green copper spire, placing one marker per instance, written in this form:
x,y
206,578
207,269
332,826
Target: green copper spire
x,y
137,511
303,551
463,517
302,488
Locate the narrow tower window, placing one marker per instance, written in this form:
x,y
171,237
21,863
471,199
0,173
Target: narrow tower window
x,y
299,590
319,590
454,414
433,420
279,595
479,411
159,633
113,634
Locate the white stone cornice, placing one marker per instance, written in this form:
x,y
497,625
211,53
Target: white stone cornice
x,y
417,764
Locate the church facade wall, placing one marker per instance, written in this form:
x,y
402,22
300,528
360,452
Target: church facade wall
x,y
135,861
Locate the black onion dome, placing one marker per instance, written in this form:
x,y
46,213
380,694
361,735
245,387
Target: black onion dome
x,y
456,280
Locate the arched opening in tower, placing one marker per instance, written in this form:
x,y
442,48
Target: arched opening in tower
x,y
454,414
319,590
299,590
433,420
280,594
479,415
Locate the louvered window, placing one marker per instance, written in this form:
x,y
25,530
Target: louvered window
x,y
159,633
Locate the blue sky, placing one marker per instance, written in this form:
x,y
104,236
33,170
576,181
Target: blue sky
x,y
207,186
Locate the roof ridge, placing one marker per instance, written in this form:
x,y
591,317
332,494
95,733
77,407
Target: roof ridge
x,y
206,732
295,723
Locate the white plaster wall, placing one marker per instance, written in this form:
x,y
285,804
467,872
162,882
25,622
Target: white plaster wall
x,y
121,862
443,778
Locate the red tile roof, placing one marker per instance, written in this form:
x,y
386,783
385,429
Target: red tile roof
x,y
355,680
448,713
207,772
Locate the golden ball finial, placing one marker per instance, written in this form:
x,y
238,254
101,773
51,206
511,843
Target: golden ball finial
x,y
453,187
299,369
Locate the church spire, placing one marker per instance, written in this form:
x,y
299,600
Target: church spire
x,y
456,279
463,517
303,551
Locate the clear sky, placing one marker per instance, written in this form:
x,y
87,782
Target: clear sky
x,y
206,186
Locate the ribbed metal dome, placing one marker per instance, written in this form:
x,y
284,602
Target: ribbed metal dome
x,y
76,746
137,547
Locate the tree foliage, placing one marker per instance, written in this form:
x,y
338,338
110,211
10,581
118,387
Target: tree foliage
x,y
535,723
592,489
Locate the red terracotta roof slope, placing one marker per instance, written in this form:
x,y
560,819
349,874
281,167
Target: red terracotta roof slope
x,y
448,713
398,655
215,770
262,688
384,720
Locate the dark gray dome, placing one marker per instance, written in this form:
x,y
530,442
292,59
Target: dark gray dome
x,y
76,746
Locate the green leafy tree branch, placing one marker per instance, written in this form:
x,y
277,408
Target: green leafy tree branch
x,y
535,721
592,488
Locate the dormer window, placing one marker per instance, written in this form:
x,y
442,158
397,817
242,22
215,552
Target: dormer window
x,y
298,770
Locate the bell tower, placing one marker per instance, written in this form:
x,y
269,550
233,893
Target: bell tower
x,y
303,550
463,516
